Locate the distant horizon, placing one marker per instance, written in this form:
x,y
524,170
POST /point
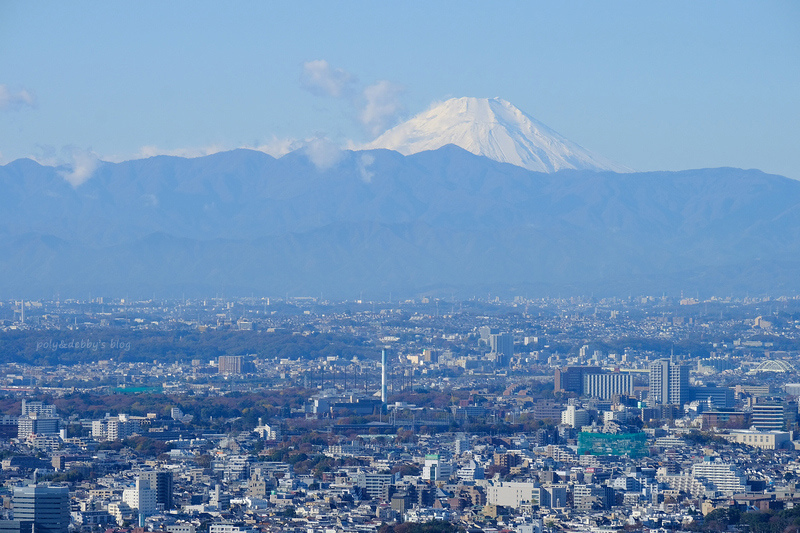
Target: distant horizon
x,y
302,150
684,300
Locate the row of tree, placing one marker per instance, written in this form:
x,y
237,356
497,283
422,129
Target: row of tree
x,y
58,347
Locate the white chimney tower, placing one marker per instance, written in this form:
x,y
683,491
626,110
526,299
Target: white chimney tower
x,y
383,376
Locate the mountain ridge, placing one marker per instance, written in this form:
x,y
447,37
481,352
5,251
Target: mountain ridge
x,y
444,220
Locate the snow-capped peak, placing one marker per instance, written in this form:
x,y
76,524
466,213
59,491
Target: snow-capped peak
x,y
493,128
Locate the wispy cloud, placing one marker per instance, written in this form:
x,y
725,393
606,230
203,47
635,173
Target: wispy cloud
x,y
320,79
82,166
153,151
14,100
47,154
375,106
382,106
277,147
323,153
75,165
364,162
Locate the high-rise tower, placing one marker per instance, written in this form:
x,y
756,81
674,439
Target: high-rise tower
x,y
502,345
161,481
46,507
669,383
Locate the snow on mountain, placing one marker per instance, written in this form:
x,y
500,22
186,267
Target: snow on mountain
x,y
493,128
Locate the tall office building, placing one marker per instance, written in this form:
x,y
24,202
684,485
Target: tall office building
x,y
502,346
713,396
430,356
774,415
230,364
669,383
161,481
37,418
570,378
46,507
486,332
36,425
235,364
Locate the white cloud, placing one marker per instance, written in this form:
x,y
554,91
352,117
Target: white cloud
x,y
47,155
323,153
277,147
376,106
75,165
83,165
152,151
381,106
321,80
16,99
364,162
150,200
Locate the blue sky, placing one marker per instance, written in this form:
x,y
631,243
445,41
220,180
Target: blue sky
x,y
652,85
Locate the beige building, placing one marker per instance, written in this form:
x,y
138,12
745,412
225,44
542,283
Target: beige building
x,y
766,440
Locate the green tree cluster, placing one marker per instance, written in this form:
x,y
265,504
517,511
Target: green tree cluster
x,y
782,521
434,526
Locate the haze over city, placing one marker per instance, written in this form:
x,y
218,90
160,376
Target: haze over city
x,y
445,267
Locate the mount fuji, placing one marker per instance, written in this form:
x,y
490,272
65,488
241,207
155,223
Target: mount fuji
x,y
493,128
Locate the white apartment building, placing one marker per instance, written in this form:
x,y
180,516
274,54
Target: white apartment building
x,y
436,469
513,494
376,485
141,497
575,417
181,528
607,385
687,483
470,471
229,528
725,477
115,428
268,432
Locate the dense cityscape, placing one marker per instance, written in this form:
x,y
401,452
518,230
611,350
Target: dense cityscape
x,y
300,414
380,267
